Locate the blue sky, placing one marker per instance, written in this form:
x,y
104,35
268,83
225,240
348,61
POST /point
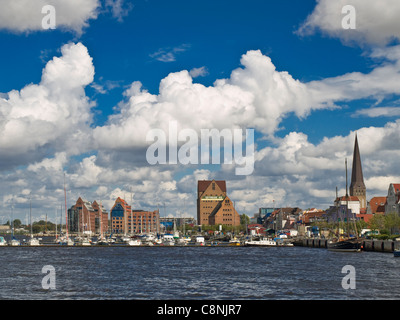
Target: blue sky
x,y
151,41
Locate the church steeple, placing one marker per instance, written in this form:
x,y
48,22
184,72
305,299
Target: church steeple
x,y
357,186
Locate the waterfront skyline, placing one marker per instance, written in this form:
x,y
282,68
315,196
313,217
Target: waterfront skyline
x,y
81,98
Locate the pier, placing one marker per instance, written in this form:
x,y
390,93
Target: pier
x,y
367,245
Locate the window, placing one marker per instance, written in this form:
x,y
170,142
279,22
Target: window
x,y
213,185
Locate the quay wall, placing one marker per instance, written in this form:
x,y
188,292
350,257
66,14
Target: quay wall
x,y
367,245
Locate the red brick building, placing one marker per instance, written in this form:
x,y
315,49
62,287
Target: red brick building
x,y
124,220
87,217
213,205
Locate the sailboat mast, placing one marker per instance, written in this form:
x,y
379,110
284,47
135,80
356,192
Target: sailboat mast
x,y
56,224
347,203
30,215
66,213
184,214
12,218
131,224
337,212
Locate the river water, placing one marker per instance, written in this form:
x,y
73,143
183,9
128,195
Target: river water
x,y
195,273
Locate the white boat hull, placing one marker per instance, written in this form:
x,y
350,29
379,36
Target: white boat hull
x,y
261,243
134,243
15,243
33,242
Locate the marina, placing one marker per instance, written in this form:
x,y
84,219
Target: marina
x,y
371,245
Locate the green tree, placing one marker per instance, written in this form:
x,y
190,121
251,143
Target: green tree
x,y
377,222
17,223
392,222
244,219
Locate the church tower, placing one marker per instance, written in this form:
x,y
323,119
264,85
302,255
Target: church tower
x,y
357,186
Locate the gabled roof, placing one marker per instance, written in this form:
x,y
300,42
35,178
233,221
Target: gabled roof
x,y
348,198
86,203
202,185
396,187
377,204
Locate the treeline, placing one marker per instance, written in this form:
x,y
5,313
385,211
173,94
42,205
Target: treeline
x,y
37,226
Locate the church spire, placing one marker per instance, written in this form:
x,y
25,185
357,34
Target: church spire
x,y
357,179
357,186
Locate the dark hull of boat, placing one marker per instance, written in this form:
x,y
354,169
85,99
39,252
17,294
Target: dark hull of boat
x,y
345,246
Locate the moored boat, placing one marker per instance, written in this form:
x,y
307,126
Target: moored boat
x,y
14,242
33,242
345,245
261,242
134,242
396,253
168,240
3,242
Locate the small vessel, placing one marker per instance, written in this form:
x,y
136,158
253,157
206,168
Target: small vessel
x,y
3,242
32,241
125,238
65,241
148,239
345,245
261,242
200,241
134,242
102,241
182,241
234,242
396,253
82,241
283,242
168,240
14,242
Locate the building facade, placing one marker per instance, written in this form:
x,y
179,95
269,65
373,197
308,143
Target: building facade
x,y
124,220
86,217
352,202
209,195
213,204
224,213
392,204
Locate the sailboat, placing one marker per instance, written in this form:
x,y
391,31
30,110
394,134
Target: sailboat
x,y
32,241
3,242
101,241
345,243
65,240
81,240
14,242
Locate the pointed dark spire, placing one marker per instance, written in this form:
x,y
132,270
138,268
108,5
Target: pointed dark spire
x,y
357,179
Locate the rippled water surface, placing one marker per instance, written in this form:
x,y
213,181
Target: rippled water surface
x,y
178,273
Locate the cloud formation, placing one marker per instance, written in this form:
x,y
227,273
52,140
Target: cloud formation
x,y
46,126
52,115
377,22
26,15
